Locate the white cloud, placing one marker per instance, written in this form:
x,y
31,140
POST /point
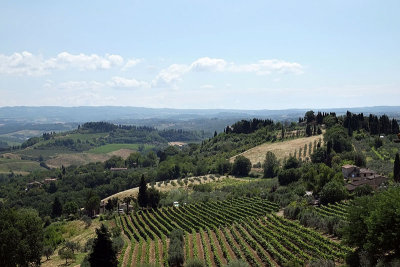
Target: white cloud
x,y
26,63
269,66
208,64
175,72
120,82
170,75
22,63
131,63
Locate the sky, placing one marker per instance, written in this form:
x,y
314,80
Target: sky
x,y
200,54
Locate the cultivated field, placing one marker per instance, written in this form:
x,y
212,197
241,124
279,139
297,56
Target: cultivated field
x,y
78,159
174,184
222,231
281,149
13,163
115,147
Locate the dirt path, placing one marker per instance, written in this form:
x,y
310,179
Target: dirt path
x,y
219,250
134,254
190,246
143,258
228,247
160,252
127,251
152,258
280,213
249,247
208,247
235,243
199,247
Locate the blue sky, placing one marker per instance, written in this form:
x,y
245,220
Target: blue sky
x,y
200,54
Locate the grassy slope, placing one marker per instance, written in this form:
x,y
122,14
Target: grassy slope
x,y
114,147
77,232
280,149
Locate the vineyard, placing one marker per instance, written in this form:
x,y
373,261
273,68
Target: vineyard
x,y
218,232
338,210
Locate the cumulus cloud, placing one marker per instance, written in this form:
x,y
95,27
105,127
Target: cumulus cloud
x,y
208,64
26,63
267,67
131,63
120,82
170,75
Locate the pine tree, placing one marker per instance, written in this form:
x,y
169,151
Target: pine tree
x,y
56,208
396,168
142,196
103,253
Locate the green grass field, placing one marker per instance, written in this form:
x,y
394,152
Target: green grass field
x,y
114,147
18,166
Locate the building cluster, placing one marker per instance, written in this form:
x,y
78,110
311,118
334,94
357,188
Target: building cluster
x,y
356,176
40,184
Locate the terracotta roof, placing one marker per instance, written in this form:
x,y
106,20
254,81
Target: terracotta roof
x,y
365,170
348,166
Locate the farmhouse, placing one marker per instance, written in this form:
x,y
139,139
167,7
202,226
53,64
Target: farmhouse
x,y
357,176
34,184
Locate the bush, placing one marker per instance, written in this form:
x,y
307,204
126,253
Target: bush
x,y
333,192
175,250
194,263
241,166
286,177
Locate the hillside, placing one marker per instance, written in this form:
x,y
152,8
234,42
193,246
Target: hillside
x,y
281,149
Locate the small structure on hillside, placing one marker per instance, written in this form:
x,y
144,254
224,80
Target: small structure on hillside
x,y
356,176
176,204
49,180
398,138
34,184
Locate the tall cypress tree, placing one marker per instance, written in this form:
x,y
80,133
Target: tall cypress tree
x,y
56,208
396,168
103,253
142,196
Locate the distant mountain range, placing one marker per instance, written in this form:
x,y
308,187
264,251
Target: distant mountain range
x,y
20,123
54,114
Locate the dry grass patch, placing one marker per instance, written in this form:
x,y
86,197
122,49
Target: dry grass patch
x,y
280,149
78,159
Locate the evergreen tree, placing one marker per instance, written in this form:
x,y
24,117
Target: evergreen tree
x,y
142,196
270,165
56,208
308,130
283,133
103,252
396,168
395,127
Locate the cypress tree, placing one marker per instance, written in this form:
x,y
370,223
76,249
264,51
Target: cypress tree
x,y
142,196
396,168
56,208
103,253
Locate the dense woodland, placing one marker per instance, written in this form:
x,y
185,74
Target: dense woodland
x,y
361,218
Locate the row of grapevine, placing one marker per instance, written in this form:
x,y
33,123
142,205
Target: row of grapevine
x,y
222,231
339,210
